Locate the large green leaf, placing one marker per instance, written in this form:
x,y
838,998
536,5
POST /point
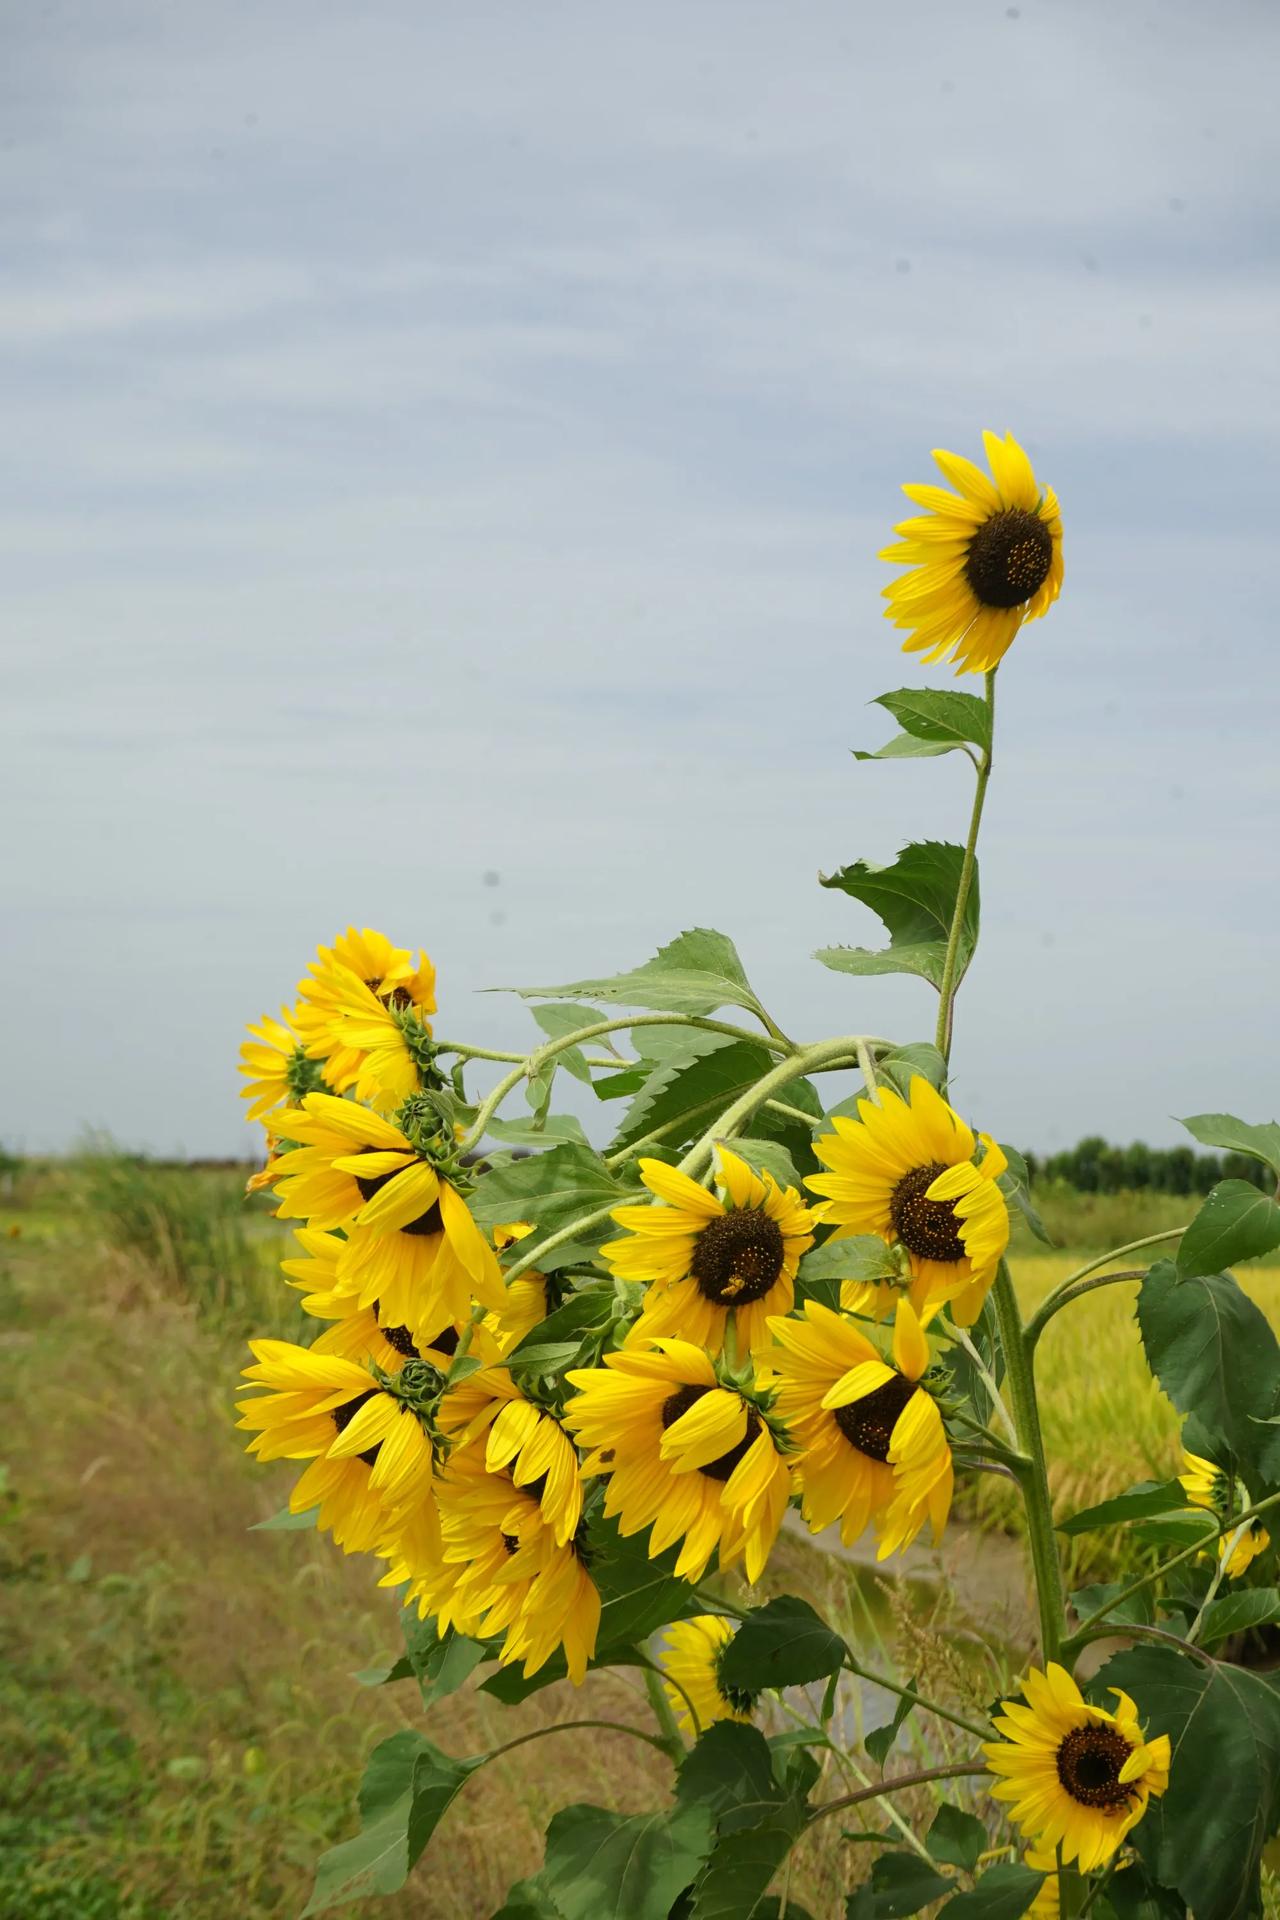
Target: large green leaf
x,y
900,1884
697,972
783,1644
1136,1503
1206,1834
905,746
757,1819
1216,1357
879,1742
956,1838
528,1900
1260,1142
1237,1612
556,1021
915,897
1136,1609
613,1866
686,1093
1003,1893
863,1257
552,1190
407,1787
939,714
901,1065
1235,1223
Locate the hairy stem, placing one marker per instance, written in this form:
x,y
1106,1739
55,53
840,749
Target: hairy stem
x,y
950,965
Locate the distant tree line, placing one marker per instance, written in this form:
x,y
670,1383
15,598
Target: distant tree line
x,y
1094,1166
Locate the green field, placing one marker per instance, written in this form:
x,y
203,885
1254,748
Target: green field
x,y
182,1725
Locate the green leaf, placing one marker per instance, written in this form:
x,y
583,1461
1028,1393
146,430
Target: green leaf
x,y
693,1089
879,1743
613,1866
440,1662
564,1181
586,1311
1136,1503
528,1900
730,1772
742,1864
930,713
1131,1896
1003,1893
915,898
768,1156
904,746
558,1020
286,1522
783,1644
1260,1142
554,1129
902,1883
956,1838
1237,1612
1137,1609
697,972
1015,1185
407,1788
901,1065
1206,1834
863,1257
1216,1357
1235,1223
1175,1529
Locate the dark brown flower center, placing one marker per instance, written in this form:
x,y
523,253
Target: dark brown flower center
x,y
680,1402
737,1258
428,1222
1009,558
398,1337
868,1423
343,1416
1089,1764
927,1228
511,1542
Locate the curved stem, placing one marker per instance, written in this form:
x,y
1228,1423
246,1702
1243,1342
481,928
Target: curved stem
x,y
1034,1477
1136,1630
572,1726
1045,1312
823,1057
908,1693
1052,1301
560,1238
950,965
672,1741
899,1783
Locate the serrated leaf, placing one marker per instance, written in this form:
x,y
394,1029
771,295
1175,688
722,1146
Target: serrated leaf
x,y
440,1662
693,1088
1205,1835
1260,1141
901,1065
1238,1612
956,1838
939,714
407,1788
697,972
613,1866
1003,1893
783,1644
565,1180
879,1743
1150,1497
915,898
1136,1609
1235,1223
1175,1529
1215,1356
582,1312
731,1772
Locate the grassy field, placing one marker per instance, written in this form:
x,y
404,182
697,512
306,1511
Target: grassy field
x,y
181,1720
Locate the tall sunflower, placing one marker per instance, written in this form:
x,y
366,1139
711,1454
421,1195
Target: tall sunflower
x,y
369,1456
1075,1776
872,1446
358,958
905,1170
980,561
684,1455
520,1436
274,1065
499,1570
1206,1485
710,1255
411,1242
692,1654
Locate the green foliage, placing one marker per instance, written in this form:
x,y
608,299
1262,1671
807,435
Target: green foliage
x,y
1235,1223
1238,1612
683,1094
783,1644
612,1866
1216,1357
956,1838
915,898
879,1743
933,722
1205,1836
900,1884
697,972
1003,1893
1238,1136
1139,1503
732,1774
555,1188
407,1788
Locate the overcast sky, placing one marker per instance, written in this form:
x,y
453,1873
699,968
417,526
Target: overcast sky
x,y
447,449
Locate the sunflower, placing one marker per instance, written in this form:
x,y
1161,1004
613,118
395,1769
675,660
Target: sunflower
x,y
1208,1486
981,560
411,1242
521,1437
1075,1776
710,1256
273,1062
499,1570
360,1333
358,958
369,1456
691,1458
905,1170
872,1446
391,1042
692,1654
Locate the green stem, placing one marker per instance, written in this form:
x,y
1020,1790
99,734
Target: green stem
x,y
950,965
1052,1301
572,1726
899,1783
823,1057
1034,1477
671,1740
908,1693
558,1239
1044,1314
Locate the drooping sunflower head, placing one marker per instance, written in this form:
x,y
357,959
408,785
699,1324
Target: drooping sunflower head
x,y
692,1655
685,1454
347,985
872,1448
1074,1775
275,1066
909,1171
520,1438
1207,1485
980,561
707,1255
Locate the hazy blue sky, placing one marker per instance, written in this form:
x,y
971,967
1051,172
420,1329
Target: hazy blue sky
x,y
449,441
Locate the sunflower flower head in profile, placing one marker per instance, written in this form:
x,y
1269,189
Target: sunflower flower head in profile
x,y
1209,1486
980,561
1075,1776
691,1658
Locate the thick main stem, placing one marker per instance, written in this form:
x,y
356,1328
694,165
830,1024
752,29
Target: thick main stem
x,y
951,961
1034,1476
